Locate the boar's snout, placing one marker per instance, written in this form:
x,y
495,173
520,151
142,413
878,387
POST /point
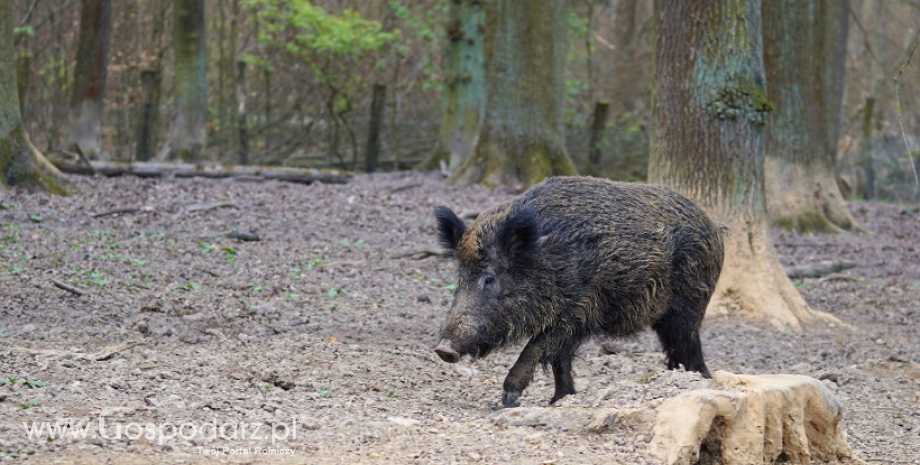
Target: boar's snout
x,y
446,351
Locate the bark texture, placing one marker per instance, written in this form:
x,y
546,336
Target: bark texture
x,y
522,139
84,127
628,88
708,144
188,137
464,100
804,50
21,164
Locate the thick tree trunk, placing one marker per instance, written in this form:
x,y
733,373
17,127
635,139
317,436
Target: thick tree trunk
x,y
598,123
627,88
378,104
21,164
147,120
23,73
188,137
708,143
803,83
242,92
522,140
84,126
464,98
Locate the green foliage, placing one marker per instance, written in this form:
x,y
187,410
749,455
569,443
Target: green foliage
x,y
23,31
230,254
302,28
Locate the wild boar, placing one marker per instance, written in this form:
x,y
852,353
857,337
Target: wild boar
x,y
573,258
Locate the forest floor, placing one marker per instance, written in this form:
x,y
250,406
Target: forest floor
x,y
316,330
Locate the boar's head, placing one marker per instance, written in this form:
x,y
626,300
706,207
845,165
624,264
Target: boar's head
x,y
496,255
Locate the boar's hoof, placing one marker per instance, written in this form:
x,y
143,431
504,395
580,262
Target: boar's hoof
x,y
510,399
447,352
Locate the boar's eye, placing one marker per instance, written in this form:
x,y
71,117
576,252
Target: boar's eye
x,y
486,281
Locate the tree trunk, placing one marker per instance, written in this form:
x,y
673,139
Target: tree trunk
x,y
188,137
21,164
242,92
598,123
376,122
627,87
84,124
522,139
802,84
464,98
707,143
146,128
867,147
23,73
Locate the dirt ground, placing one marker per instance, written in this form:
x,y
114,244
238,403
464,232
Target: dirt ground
x,y
314,341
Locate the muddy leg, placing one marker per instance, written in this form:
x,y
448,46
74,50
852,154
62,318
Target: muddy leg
x,y
679,333
521,373
562,372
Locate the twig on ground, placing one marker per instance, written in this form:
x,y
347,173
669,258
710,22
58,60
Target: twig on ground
x,y
421,254
819,269
201,207
403,188
103,354
251,236
85,160
116,211
69,288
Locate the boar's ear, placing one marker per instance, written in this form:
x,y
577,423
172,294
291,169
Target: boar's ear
x,y
450,228
518,236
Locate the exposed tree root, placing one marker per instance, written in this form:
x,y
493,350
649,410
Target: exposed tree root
x,y
754,283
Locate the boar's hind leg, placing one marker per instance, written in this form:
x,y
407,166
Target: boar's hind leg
x,y
562,373
679,332
522,372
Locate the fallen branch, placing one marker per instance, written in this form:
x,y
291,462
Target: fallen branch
x,y
819,269
421,254
243,236
69,288
202,207
117,211
103,354
185,170
82,157
403,188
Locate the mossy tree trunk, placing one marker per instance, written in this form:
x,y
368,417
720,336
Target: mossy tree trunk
x,y
628,87
804,83
522,140
84,126
708,144
464,98
21,164
188,137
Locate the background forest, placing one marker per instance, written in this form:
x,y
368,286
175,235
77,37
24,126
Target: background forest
x,y
295,79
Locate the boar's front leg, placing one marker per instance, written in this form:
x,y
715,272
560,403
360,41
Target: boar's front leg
x,y
522,372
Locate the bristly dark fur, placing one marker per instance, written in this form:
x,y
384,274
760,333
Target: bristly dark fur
x,y
578,257
517,236
450,229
